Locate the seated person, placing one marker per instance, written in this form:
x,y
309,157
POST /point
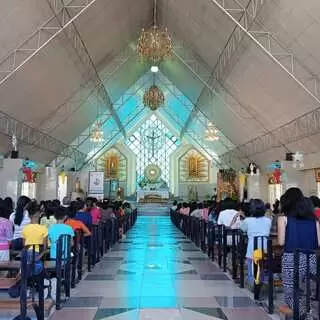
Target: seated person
x,y
107,211
58,229
48,215
92,207
185,209
258,225
174,206
76,225
127,208
36,235
228,213
6,233
82,213
197,212
20,218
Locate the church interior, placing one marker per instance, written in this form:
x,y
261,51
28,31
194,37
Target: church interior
x,y
157,103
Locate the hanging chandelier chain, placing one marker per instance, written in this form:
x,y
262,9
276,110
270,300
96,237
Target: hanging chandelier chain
x,y
155,14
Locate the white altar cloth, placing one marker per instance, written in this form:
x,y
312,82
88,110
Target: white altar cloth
x,y
164,194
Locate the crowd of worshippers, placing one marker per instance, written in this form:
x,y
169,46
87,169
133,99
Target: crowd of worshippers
x,y
293,220
32,223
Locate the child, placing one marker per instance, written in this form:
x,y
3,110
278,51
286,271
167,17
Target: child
x,y
58,229
34,233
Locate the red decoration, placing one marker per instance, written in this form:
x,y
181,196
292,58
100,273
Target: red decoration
x,y
28,174
277,176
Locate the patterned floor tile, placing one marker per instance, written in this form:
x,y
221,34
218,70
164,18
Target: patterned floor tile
x,y
235,302
158,302
246,314
72,314
218,276
121,302
212,312
83,302
108,312
99,277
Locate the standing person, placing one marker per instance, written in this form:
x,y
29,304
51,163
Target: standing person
x,y
19,219
6,233
298,228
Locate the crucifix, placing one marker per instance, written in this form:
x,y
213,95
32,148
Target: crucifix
x,y
153,138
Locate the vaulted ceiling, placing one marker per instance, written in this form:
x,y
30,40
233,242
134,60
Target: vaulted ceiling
x,y
251,67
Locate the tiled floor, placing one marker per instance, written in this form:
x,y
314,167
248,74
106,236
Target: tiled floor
x,y
157,274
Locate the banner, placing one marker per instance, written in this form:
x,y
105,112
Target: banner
x,y
96,182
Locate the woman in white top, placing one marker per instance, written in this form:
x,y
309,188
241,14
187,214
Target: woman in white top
x,y
20,218
258,225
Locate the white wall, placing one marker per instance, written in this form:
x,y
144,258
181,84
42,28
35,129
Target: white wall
x,y
11,178
48,185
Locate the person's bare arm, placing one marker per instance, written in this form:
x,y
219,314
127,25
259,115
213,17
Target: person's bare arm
x,y
282,223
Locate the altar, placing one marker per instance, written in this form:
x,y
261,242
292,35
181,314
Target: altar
x,y
148,194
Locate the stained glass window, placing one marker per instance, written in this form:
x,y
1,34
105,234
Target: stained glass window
x,y
153,143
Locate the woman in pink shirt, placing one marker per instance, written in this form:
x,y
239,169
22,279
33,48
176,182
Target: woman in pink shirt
x,y
94,210
6,233
205,212
185,209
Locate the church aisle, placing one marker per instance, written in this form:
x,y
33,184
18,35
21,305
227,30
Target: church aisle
x,y
156,273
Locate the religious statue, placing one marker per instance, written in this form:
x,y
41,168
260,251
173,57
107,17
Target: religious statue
x,y
27,171
14,143
77,185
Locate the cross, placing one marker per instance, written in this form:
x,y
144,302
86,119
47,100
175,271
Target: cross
x,y
153,138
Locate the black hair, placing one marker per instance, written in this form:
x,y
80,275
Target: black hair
x,y
200,205
174,202
294,204
33,208
268,206
22,205
60,213
79,205
229,204
257,208
315,201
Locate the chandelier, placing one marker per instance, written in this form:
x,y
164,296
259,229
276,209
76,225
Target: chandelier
x,y
96,135
211,134
153,98
154,45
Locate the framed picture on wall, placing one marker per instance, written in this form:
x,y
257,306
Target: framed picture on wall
x,y
317,174
96,182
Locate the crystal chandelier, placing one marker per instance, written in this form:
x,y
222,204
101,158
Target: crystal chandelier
x,y
154,45
96,135
153,98
211,134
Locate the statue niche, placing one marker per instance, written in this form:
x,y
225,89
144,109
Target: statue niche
x,y
194,165
112,166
